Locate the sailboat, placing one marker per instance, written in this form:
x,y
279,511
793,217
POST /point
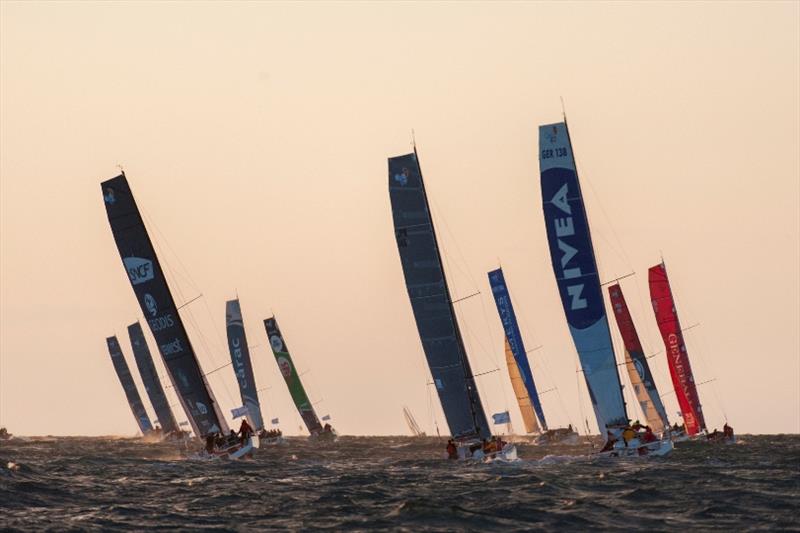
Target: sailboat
x,y
519,369
575,269
680,368
644,386
128,385
155,299
152,384
434,313
296,389
243,369
412,424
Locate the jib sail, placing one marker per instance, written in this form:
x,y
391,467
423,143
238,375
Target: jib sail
x,y
151,289
128,385
292,378
679,367
242,366
521,367
638,370
576,273
152,384
431,301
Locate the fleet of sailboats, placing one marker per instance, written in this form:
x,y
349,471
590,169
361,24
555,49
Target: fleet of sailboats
x,y
577,278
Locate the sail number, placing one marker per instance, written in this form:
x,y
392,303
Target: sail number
x,y
558,152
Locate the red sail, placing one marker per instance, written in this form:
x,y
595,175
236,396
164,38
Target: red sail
x,y
679,367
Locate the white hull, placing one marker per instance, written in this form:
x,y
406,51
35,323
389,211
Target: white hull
x,y
508,453
636,448
236,451
273,441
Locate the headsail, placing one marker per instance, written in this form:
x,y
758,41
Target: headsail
x,y
639,371
151,289
292,378
524,401
679,367
242,366
576,273
502,299
152,384
128,385
431,301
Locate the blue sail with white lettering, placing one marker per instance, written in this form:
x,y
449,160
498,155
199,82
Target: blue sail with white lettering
x,y
242,366
576,273
155,299
502,299
430,301
129,386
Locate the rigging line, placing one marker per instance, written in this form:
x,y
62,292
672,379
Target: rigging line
x,y
465,297
617,279
218,368
190,301
696,385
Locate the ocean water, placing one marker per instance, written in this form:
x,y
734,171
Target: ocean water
x,y
396,483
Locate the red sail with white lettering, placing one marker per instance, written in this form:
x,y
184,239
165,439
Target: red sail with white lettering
x,y
679,367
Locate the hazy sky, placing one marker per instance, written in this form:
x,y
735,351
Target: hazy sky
x,y
255,138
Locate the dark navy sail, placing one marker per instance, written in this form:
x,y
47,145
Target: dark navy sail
x,y
575,268
431,302
152,384
152,292
502,299
242,367
128,385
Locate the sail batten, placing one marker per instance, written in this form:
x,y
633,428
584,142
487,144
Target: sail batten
x,y
430,300
519,367
158,306
292,377
150,379
680,368
128,385
575,269
641,377
242,366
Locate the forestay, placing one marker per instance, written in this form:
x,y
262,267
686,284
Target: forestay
x,y
152,384
128,385
151,289
576,273
242,366
431,301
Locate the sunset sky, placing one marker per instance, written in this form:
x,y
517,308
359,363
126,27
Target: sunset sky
x,y
255,138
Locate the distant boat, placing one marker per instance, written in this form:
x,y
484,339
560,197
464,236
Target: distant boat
x,y
292,379
575,269
152,383
242,366
519,370
129,386
152,292
412,424
680,368
644,386
4,434
433,310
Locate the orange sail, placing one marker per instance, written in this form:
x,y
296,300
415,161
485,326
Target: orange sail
x,y
525,405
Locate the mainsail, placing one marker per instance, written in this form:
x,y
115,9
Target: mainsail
x,y
431,301
290,375
152,384
576,273
679,368
151,289
521,367
638,370
523,399
412,424
242,367
131,393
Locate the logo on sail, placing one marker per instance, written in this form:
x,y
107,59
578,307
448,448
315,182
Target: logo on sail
x,y
171,347
202,408
108,197
139,270
276,342
285,366
150,304
402,177
564,228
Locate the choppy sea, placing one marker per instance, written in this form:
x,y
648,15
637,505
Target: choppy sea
x,y
397,483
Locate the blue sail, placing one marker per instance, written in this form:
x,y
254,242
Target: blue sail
x,y
150,379
128,385
431,302
242,366
576,273
506,310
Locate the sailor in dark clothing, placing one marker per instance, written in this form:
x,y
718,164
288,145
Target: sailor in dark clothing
x,y
452,451
245,430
